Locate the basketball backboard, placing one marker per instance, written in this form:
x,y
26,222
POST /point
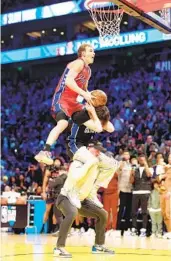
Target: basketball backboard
x,y
156,13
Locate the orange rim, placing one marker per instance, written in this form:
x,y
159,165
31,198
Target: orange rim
x,y
102,11
108,11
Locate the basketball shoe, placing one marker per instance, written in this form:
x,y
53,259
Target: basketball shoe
x,y
44,157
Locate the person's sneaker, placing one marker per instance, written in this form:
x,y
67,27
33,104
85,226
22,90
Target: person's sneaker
x,y
143,232
153,236
82,230
74,231
61,252
97,249
127,233
167,235
133,232
90,232
44,157
159,235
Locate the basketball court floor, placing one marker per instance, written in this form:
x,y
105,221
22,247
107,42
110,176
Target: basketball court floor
x,y
40,247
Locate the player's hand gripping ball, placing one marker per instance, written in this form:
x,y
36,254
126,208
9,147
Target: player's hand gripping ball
x,y
98,98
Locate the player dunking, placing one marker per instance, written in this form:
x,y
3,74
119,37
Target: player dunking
x,y
73,82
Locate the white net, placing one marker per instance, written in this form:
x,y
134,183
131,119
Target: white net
x,y
166,14
107,18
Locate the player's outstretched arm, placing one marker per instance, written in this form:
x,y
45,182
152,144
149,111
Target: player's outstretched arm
x,y
75,68
94,125
109,127
89,119
94,122
95,118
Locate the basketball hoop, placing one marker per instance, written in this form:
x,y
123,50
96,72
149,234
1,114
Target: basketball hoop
x,y
166,13
107,18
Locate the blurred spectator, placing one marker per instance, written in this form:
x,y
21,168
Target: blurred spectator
x,y
159,168
165,148
152,157
141,180
34,174
32,190
22,184
11,197
12,182
125,192
132,147
118,123
149,142
4,183
110,202
166,197
155,211
39,191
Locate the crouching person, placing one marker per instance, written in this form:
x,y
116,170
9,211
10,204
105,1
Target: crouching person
x,y
73,199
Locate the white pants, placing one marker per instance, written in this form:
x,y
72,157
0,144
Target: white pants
x,y
107,167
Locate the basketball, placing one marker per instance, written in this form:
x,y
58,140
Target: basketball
x,y
99,98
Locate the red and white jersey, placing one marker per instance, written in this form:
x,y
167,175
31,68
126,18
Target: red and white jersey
x,y
66,97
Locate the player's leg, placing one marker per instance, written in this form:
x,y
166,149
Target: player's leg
x,y
59,218
107,168
56,131
89,209
70,212
62,123
107,206
71,148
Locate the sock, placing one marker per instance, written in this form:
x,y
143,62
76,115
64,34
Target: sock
x,y
47,147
